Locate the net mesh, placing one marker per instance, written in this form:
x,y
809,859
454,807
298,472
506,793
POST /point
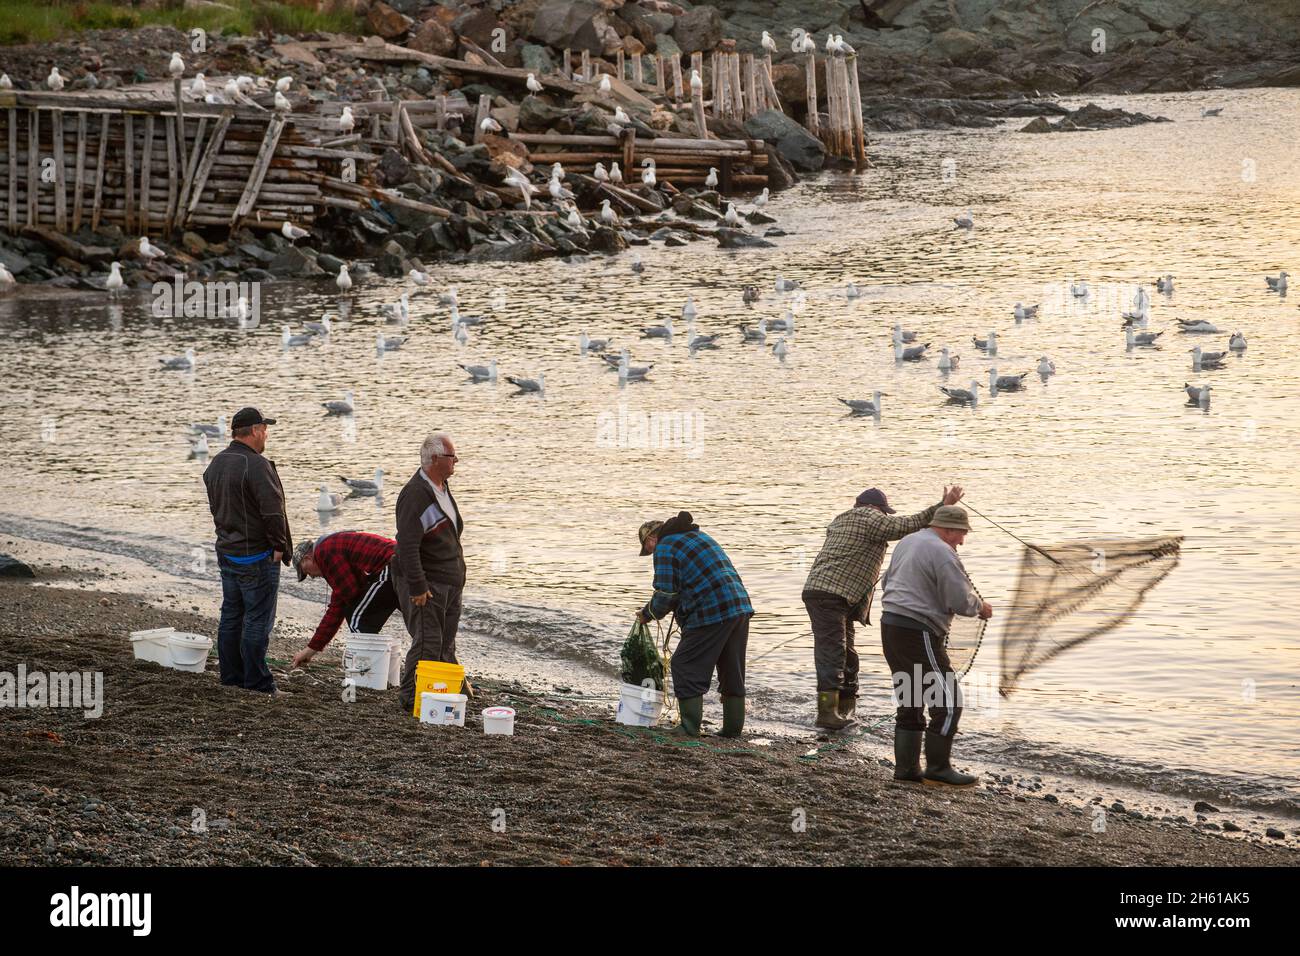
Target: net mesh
x,y
1070,593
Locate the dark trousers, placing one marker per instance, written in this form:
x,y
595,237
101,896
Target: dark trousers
x,y
834,655
701,650
432,629
923,678
249,594
371,609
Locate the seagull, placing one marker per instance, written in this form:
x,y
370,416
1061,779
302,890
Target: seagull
x,y
458,319
398,311
695,342
586,344
344,281
761,199
198,86
537,385
615,174
783,325
217,430
913,354
843,48
749,294
605,86
600,174
289,340
418,277
293,233
558,190
1199,327
114,280
688,310
383,345
711,180
786,285
637,264
1237,343
344,407
969,396
664,331
780,350
450,297
1213,112
526,189
54,81
1005,383
1197,396
732,217
607,215
621,117
1165,284
1278,284
648,171
861,406
328,500
1079,289
282,103
5,82
902,335
176,67
1023,312
482,373
460,333
948,362
574,220
148,251
244,83
697,84
365,486
768,43
489,125
346,120
1046,367
851,291
756,334
323,327
557,171
533,85
631,373
989,344
965,222
1132,338
283,84
183,363
1203,359
6,277
199,449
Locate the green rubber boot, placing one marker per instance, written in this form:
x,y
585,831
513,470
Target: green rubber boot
x,y
848,708
733,716
907,755
939,771
692,711
828,711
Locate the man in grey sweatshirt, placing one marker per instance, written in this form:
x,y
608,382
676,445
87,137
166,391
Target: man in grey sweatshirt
x,y
924,587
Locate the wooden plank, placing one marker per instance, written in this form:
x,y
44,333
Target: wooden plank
x,y
190,167
205,167
586,66
567,65
60,173
638,70
33,159
173,176
467,44
677,79
810,80
96,209
629,151
737,91
79,181
273,130
128,173
859,126
773,101
13,169
620,64
146,171
660,79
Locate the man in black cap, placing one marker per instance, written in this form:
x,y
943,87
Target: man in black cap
x,y
253,540
839,588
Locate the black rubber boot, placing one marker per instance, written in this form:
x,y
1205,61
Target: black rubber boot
x,y
828,711
907,754
938,764
692,711
733,716
848,708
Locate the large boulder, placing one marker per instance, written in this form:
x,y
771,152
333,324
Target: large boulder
x,y
698,29
478,25
960,47
802,149
13,568
537,59
434,37
574,25
387,22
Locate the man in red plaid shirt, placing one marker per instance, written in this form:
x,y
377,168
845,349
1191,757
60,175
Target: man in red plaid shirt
x,y
355,566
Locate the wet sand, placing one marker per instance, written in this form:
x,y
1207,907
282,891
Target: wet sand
x,y
307,779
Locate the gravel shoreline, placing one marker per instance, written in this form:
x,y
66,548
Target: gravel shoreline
x,y
305,779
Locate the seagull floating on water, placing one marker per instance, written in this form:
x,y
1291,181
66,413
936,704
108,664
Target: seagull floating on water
x,y
1079,289
383,344
418,277
756,334
780,349
365,486
1277,284
1165,284
786,285
328,500
1237,343
989,345
902,335
783,325
948,362
1198,327
1046,367
965,222
851,290
969,396
482,373
1197,395
537,385
289,340
1023,312
323,327
1211,112
586,344
1132,338
913,354
1005,383
181,363
861,406
1202,359
688,310
664,331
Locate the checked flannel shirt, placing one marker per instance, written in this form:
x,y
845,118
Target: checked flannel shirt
x,y
694,577
347,559
849,562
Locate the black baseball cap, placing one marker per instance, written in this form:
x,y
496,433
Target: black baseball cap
x,y
874,496
249,416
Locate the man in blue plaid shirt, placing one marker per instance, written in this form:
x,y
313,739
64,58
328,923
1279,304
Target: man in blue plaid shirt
x,y
695,579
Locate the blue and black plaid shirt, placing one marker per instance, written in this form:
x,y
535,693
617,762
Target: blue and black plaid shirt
x,y
694,577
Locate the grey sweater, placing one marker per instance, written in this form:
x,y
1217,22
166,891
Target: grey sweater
x,y
927,582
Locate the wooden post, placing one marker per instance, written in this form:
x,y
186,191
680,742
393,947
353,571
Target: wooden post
x,y
146,168
484,104
832,117
13,169
724,174
628,137
697,97
677,79
737,92
440,111
715,83
567,63
586,66
60,174
173,176
753,102
187,180
638,69
274,127
395,119
859,126
660,80
622,71
33,161
773,101
79,182
810,78
96,208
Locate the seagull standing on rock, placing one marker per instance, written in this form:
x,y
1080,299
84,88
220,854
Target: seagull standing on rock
x,y
607,215
615,174
533,85
711,180
346,120
293,233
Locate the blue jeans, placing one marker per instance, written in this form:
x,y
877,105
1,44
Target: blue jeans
x,y
248,598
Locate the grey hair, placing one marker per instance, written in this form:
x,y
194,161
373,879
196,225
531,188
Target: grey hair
x,y
435,443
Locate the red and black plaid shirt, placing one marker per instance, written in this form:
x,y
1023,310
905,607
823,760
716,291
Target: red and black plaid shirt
x,y
346,559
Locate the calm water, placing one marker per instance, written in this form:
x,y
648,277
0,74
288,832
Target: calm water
x,y
1197,693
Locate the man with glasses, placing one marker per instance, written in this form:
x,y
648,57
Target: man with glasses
x,y
253,540
429,563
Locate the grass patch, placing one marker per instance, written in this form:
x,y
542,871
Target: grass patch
x,y
43,21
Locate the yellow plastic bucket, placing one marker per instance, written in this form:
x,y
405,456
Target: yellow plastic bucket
x,y
430,674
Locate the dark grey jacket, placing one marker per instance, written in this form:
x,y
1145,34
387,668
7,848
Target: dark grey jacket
x,y
428,541
247,503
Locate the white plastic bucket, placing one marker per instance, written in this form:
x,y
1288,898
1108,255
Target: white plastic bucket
x,y
444,709
639,706
499,720
152,645
366,660
189,652
395,659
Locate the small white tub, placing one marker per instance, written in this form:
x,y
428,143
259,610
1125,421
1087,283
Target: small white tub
x,y
366,660
152,645
189,652
396,656
639,706
499,720
447,710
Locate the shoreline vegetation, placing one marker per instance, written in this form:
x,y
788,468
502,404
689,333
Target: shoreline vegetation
x,y
182,771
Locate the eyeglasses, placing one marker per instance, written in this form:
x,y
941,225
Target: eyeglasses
x,y
454,458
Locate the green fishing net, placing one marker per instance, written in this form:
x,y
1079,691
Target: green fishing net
x,y
640,658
